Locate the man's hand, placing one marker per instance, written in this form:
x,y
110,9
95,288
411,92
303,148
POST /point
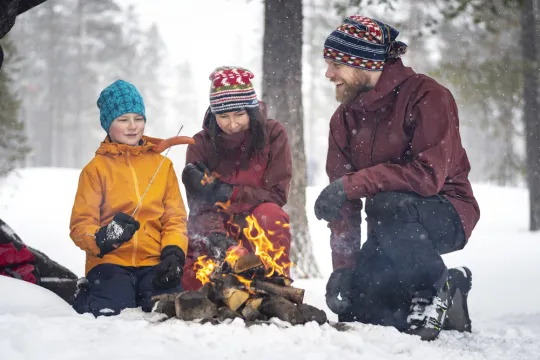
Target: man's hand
x,y
330,201
339,291
120,230
171,268
200,183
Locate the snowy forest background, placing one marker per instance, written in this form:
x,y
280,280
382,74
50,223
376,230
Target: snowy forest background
x,y
61,54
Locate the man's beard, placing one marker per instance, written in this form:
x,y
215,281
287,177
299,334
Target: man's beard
x,y
350,91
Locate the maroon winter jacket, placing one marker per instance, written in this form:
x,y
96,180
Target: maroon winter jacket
x,y
403,135
265,177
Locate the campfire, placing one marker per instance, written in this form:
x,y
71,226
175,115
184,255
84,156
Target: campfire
x,y
254,287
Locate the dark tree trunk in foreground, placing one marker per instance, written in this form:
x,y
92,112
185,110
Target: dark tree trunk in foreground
x,y
282,91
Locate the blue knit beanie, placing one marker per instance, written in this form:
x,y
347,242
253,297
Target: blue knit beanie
x,y
118,99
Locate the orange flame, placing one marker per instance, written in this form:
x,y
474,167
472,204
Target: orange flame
x,y
234,253
266,251
205,267
245,282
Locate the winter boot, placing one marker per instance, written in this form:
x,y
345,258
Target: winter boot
x,y
428,314
457,316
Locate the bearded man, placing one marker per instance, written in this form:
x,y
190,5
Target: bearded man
x,y
394,141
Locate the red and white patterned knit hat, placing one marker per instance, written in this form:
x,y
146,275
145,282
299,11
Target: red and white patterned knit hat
x,y
231,90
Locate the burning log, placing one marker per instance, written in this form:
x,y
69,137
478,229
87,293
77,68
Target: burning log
x,y
254,287
280,280
229,290
288,292
225,313
311,313
209,291
164,304
234,298
283,309
250,311
226,281
191,305
249,265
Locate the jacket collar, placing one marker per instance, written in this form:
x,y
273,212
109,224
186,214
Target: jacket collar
x,y
393,75
113,148
234,141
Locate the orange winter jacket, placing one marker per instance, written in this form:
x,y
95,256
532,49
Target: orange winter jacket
x,y
114,181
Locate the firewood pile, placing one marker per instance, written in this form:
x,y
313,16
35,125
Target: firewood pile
x,y
244,288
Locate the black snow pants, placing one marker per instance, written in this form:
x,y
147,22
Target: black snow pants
x,y
407,234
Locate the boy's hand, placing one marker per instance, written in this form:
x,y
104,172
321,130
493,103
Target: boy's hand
x,y
171,268
118,231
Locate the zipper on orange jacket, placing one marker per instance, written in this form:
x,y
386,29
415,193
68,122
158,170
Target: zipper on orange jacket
x,y
136,183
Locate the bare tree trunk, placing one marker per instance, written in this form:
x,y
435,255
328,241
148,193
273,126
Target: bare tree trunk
x,y
282,91
531,115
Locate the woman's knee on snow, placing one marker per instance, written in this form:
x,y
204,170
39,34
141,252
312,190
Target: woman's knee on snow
x,y
270,216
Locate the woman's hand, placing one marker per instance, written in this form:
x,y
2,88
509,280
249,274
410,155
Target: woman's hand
x,y
201,183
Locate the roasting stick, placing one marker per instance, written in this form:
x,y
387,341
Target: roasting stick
x,y
153,177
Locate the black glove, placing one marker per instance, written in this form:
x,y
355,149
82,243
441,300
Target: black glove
x,y
339,284
118,231
330,201
196,184
218,243
171,268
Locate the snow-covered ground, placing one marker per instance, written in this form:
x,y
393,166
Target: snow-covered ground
x,y
35,324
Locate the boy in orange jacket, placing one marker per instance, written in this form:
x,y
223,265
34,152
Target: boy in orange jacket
x,y
130,257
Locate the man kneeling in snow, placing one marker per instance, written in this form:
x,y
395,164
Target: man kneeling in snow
x,y
395,141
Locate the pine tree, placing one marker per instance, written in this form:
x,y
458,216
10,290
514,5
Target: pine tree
x,y
13,148
185,101
484,71
97,33
70,45
148,64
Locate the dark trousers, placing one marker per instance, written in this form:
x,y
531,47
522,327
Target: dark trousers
x,y
407,234
113,288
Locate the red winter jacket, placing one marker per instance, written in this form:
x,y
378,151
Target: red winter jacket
x,y
403,135
265,177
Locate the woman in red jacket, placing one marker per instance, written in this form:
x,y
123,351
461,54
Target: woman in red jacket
x,y
250,160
